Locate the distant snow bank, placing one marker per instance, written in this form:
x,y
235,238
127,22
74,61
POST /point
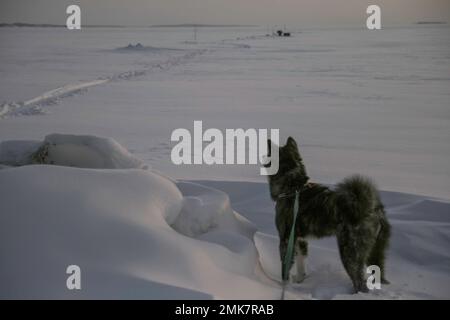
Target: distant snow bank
x,y
80,151
147,49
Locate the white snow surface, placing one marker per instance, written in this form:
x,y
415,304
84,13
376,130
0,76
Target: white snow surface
x,y
115,225
72,151
375,103
136,234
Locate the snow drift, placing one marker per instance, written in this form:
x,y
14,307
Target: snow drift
x,y
133,233
115,225
137,234
69,150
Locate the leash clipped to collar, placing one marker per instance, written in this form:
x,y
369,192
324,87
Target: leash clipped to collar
x,y
287,263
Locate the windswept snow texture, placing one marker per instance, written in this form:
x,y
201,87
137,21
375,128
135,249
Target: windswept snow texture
x,y
375,103
136,234
89,152
418,263
71,151
18,152
115,225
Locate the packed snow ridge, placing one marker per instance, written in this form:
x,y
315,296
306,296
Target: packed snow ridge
x,y
38,104
138,47
86,201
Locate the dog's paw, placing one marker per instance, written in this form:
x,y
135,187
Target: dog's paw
x,y
298,278
362,289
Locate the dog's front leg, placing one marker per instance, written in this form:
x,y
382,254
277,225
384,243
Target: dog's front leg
x,y
301,248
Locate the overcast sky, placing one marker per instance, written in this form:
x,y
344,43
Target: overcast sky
x,y
301,13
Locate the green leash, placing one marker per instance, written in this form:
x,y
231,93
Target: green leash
x,y
287,263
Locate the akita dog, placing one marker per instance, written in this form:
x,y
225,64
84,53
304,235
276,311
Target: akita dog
x,y
352,211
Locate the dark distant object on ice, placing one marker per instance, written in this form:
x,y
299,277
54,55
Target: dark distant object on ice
x,y
281,33
431,22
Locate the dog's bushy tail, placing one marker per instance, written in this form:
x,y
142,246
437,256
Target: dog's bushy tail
x,y
357,197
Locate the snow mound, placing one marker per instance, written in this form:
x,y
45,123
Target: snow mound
x,y
137,234
80,151
424,210
267,246
18,152
147,49
116,226
205,209
101,220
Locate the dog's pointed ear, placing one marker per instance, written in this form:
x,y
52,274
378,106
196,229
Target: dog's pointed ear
x,y
291,143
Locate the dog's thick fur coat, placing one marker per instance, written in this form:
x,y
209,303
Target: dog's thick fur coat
x,y
352,211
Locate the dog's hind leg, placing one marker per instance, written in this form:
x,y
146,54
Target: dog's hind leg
x,y
301,248
353,250
378,252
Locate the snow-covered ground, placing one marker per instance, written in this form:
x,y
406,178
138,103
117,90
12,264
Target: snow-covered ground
x,y
137,234
375,103
357,101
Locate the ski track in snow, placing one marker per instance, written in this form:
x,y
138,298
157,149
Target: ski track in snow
x,y
36,106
